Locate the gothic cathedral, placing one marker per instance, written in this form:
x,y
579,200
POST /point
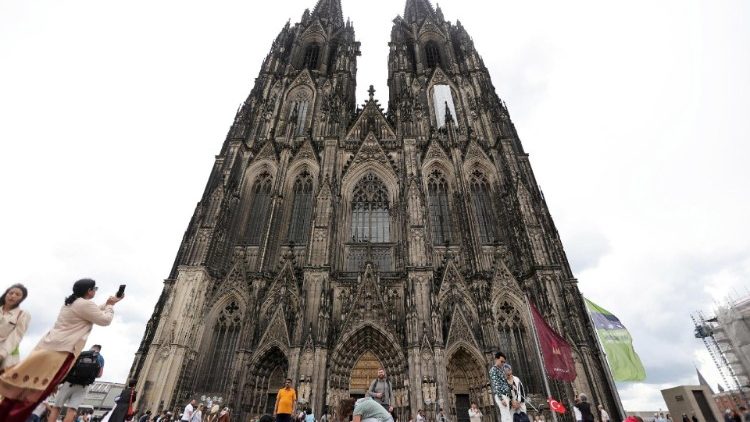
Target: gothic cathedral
x,y
333,239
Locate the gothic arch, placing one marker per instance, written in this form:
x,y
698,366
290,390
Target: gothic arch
x,y
362,338
298,166
442,165
261,381
439,189
515,337
220,340
299,102
467,381
354,175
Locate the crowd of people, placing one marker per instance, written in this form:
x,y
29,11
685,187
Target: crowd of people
x,y
58,365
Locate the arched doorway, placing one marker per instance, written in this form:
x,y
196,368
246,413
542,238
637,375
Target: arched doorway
x,y
265,378
467,383
354,363
364,371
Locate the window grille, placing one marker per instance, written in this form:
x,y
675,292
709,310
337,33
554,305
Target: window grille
x,y
432,52
217,369
312,52
299,225
483,209
260,207
370,215
437,200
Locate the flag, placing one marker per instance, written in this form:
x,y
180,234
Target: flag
x,y
556,406
558,356
618,345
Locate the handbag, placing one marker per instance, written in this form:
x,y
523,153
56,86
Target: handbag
x,y
131,411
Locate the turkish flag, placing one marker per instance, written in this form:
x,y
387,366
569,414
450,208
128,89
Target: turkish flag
x,y
556,406
558,356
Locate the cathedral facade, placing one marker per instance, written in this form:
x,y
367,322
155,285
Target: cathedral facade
x,y
333,239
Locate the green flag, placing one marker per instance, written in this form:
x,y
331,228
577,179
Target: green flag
x,y
622,358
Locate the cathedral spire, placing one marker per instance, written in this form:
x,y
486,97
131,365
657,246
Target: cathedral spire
x,y
417,10
329,9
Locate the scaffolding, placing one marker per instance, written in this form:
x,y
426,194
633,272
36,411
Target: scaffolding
x,y
726,336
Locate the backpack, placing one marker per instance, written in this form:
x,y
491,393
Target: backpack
x,y
85,370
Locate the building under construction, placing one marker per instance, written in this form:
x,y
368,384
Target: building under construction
x,y
726,336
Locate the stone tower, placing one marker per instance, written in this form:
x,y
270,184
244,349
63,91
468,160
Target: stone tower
x,y
333,239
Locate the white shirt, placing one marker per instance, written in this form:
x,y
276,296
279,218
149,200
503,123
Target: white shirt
x,y
605,415
420,418
577,413
187,413
475,415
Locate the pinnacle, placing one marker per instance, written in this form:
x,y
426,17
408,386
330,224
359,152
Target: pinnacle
x,y
417,10
329,9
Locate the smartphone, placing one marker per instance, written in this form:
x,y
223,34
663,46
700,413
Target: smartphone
x,y
121,291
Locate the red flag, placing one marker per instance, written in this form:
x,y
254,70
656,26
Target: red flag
x,y
558,356
556,406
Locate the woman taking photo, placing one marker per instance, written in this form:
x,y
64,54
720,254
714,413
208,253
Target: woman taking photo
x,y
25,385
13,324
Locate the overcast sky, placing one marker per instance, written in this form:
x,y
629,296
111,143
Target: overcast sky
x,y
635,115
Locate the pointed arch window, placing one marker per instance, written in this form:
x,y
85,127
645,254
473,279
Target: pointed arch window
x,y
370,215
260,209
437,200
513,340
298,116
299,224
432,54
312,52
483,210
217,368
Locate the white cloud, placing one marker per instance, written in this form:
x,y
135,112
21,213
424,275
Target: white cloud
x,y
634,114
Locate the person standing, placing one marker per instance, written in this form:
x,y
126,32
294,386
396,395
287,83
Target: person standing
x,y
146,417
603,413
88,367
13,324
188,412
381,390
53,356
285,400
124,404
577,412
517,391
420,415
475,415
309,415
500,387
584,407
224,415
441,416
198,414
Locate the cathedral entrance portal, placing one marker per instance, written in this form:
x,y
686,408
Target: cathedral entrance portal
x,y
467,382
266,377
355,361
365,370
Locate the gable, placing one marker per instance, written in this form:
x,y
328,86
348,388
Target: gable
x,y
371,119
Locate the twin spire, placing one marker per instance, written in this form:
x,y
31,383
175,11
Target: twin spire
x,y
415,11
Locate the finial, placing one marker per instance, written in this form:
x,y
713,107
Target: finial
x,y
371,91
448,115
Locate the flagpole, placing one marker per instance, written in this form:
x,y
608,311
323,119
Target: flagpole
x,y
539,354
603,356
